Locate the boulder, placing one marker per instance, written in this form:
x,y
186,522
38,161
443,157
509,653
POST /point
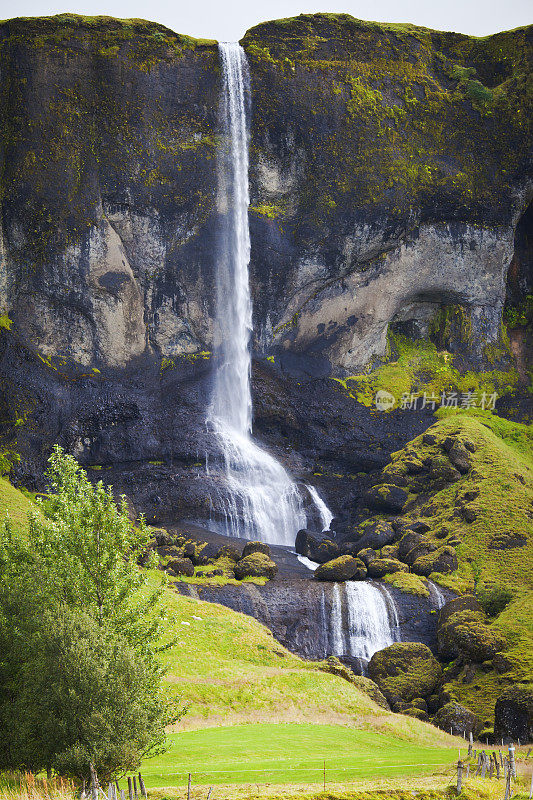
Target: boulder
x,y
344,568
442,472
375,533
466,634
409,540
442,560
423,548
181,566
429,438
256,565
379,567
229,551
514,714
466,602
405,671
367,555
255,547
416,713
458,454
385,497
336,667
458,719
315,547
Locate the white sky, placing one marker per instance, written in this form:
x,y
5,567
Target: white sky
x,y
227,20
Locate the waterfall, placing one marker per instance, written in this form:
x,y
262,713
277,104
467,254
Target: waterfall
x,y
371,620
325,514
337,632
436,594
259,499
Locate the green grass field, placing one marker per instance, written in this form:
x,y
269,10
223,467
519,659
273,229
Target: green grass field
x,y
288,753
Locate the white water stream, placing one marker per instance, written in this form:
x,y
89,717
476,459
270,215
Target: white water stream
x,y
367,620
260,499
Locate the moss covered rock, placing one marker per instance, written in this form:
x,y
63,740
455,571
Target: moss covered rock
x,y
379,567
255,547
344,568
181,566
456,719
386,497
443,560
514,714
405,671
466,634
256,565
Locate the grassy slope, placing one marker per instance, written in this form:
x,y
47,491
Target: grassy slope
x,y
503,474
13,503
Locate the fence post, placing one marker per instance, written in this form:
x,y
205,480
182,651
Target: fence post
x,y
122,795
94,783
209,792
531,790
501,758
470,743
459,777
135,795
189,788
512,763
508,785
130,789
142,786
483,764
468,770
324,774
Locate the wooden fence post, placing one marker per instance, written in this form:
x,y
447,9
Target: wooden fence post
x,y
483,764
130,789
135,795
501,758
468,770
470,743
122,795
142,786
324,774
531,790
507,795
94,783
189,788
512,763
459,777
209,792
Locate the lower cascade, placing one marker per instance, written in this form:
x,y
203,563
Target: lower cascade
x,y
259,500
363,620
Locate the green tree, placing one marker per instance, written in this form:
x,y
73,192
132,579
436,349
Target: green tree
x,y
75,605
83,697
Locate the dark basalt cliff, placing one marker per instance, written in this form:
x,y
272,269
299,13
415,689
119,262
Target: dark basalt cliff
x,y
390,179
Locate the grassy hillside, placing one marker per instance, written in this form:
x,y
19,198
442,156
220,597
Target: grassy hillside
x,y
494,549
13,503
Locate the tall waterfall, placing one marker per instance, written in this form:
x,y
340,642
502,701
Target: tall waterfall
x,y
366,622
260,501
325,514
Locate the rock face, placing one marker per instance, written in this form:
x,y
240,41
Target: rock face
x,y
365,216
299,612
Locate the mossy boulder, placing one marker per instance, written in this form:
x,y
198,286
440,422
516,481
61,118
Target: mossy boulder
x,y
465,634
458,454
315,547
466,602
229,551
367,555
405,671
514,714
443,560
379,567
386,497
455,718
181,566
372,690
255,565
255,547
344,568
375,534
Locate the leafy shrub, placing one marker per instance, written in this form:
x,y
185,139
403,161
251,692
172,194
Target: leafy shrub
x,y
495,599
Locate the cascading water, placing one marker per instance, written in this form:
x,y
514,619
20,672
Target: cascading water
x,y
436,595
369,624
260,500
325,514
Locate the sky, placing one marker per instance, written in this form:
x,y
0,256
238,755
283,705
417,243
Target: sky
x,y
227,20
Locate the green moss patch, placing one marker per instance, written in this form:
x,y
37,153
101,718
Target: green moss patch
x,y
408,582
